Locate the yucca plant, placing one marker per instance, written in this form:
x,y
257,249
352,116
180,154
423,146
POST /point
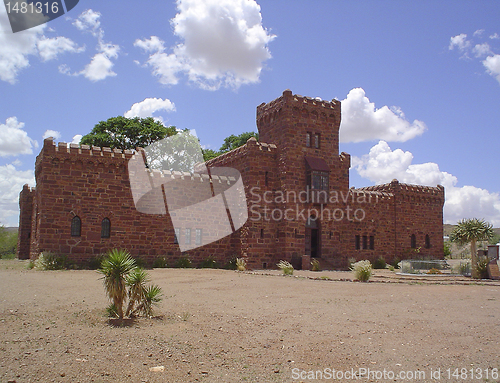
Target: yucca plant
x,y
136,282
115,269
152,296
241,264
286,267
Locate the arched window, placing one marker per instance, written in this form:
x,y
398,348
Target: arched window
x,y
105,228
413,241
427,241
76,226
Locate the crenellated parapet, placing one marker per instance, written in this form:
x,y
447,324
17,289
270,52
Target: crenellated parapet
x,y
314,108
411,193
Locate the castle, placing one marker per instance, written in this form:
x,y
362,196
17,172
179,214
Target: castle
x,y
296,185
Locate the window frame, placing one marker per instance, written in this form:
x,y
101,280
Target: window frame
x,y
76,226
106,228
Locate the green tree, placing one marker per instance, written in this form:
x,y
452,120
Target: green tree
x,y
233,142
208,154
8,243
471,231
127,133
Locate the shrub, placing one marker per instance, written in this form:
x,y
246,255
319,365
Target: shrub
x,y
160,263
286,267
362,270
351,261
482,267
95,262
463,267
395,262
231,264
209,263
241,264
391,268
50,261
379,263
183,263
315,265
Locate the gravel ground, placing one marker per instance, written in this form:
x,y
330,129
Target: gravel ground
x,y
226,326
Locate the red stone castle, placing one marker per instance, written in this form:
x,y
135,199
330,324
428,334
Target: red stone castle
x,y
296,184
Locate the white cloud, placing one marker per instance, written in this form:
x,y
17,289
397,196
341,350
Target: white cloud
x,y
76,139
361,121
459,41
15,48
223,44
492,64
494,36
14,140
100,66
11,184
52,133
481,49
149,106
88,21
479,32
382,165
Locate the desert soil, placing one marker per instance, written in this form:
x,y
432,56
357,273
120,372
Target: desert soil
x,y
228,326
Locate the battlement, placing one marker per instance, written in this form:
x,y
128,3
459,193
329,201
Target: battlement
x,y
408,189
317,105
50,147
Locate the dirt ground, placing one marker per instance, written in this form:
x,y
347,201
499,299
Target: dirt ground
x,y
228,326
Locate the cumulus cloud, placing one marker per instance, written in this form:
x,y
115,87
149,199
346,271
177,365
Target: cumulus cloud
x,y
11,183
101,64
382,165
14,140
149,106
15,48
76,139
361,121
52,133
492,64
223,44
479,50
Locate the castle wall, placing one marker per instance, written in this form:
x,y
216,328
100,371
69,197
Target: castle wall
x,y
288,217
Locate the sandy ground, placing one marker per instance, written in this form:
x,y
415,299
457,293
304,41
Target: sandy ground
x,y
225,326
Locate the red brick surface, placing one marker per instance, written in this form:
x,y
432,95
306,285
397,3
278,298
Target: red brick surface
x,y
93,183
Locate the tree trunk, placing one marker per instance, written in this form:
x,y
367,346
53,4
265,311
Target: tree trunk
x,y
473,265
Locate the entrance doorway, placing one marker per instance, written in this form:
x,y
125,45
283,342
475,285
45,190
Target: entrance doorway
x,y
312,237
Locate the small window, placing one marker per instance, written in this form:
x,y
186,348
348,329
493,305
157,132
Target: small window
x,y
357,240
413,241
198,235
427,241
262,233
365,242
319,180
76,226
372,242
308,139
177,236
316,140
188,237
105,228
266,180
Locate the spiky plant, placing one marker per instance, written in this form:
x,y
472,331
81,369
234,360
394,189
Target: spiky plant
x,y
286,267
152,296
136,281
362,270
115,268
241,264
472,230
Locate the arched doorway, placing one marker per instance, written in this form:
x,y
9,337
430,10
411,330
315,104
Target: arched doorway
x,y
313,238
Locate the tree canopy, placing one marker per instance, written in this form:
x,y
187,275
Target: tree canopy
x,y
230,143
471,231
127,133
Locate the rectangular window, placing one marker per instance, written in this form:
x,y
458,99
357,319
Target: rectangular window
x,y
316,140
365,242
319,180
197,240
357,241
177,236
372,242
188,237
308,139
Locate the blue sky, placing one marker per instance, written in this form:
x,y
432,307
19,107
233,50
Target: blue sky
x,y
419,82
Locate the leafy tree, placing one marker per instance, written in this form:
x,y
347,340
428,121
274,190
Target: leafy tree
x,y
233,142
127,133
208,154
8,243
471,231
